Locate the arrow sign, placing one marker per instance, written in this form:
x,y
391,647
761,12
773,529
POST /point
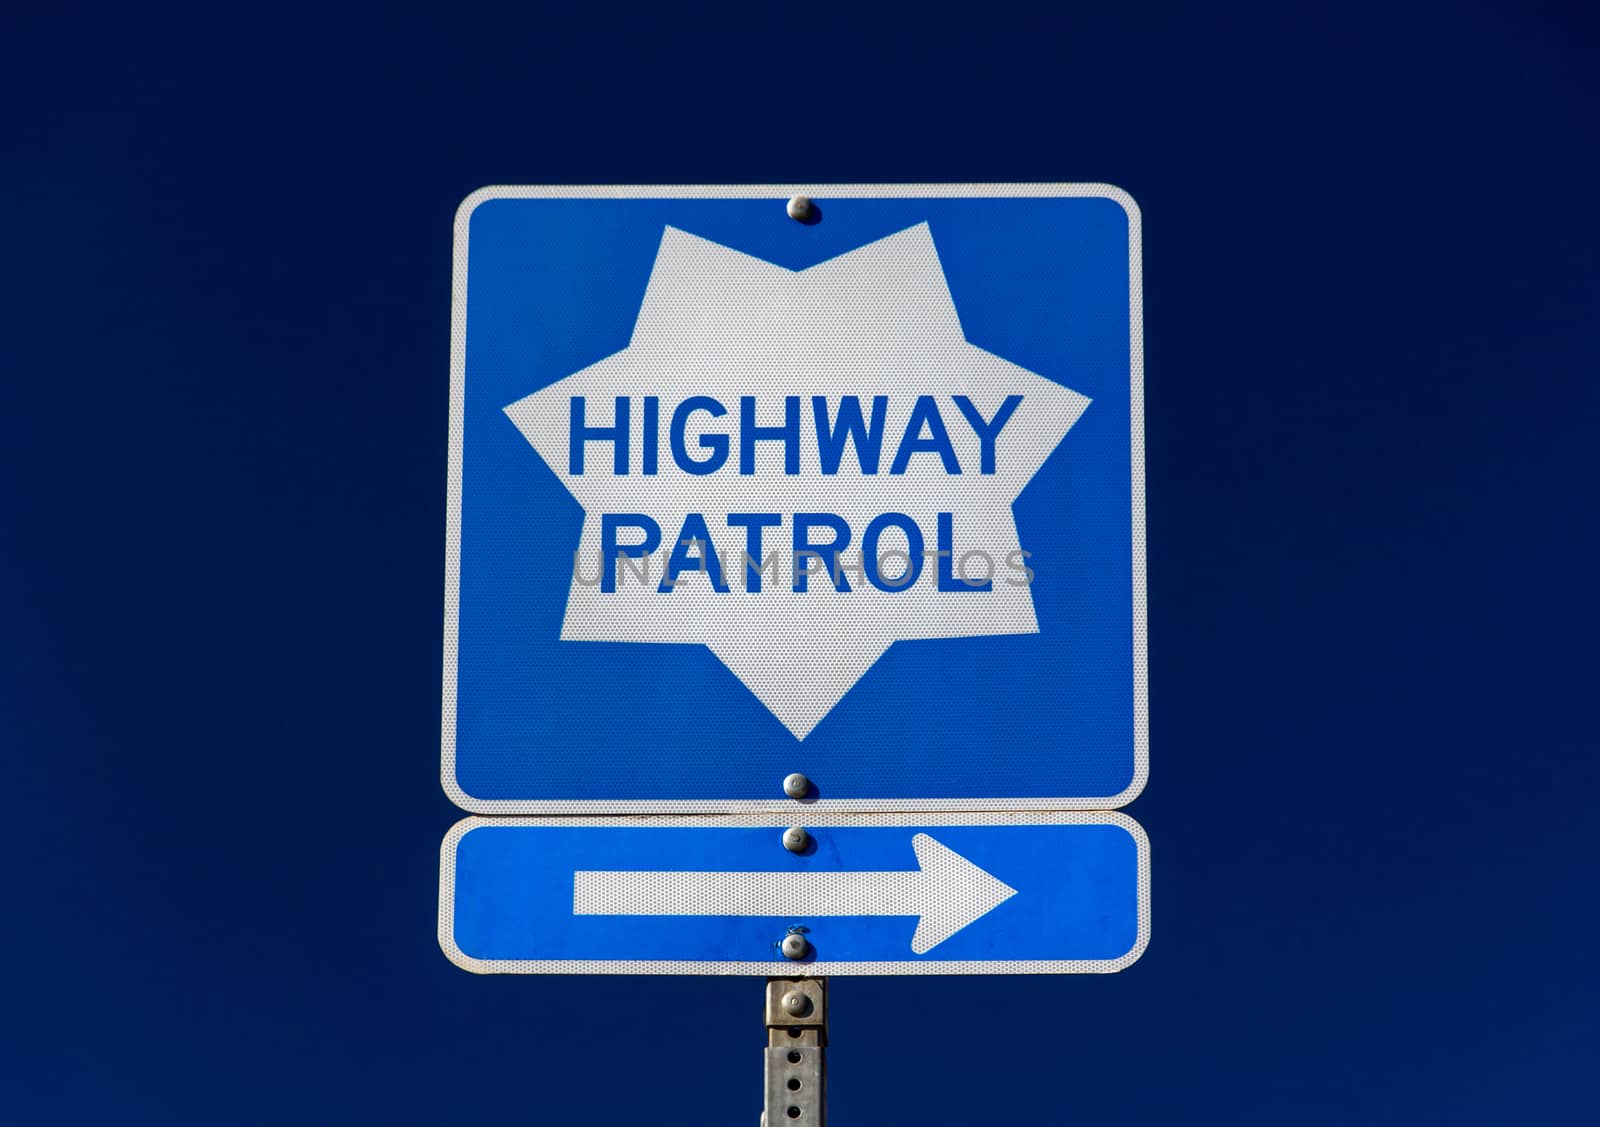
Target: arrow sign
x,y
947,892
876,894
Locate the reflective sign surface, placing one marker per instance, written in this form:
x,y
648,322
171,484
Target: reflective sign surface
x,y
734,496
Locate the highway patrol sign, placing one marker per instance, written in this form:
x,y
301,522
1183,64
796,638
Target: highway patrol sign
x,y
735,495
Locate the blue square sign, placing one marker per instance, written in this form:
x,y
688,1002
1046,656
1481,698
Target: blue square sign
x,y
743,486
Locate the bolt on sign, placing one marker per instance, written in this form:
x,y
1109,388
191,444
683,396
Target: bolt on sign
x,y
757,484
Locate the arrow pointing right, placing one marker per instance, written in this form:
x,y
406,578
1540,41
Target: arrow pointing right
x,y
947,892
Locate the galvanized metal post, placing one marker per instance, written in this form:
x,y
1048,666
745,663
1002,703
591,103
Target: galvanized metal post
x,y
797,1035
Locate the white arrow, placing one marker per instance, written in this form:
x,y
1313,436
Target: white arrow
x,y
946,894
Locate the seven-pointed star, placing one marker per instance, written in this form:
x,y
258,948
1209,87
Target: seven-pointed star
x,y
876,321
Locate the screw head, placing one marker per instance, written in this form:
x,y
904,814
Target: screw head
x,y
795,839
799,208
797,785
795,947
796,1004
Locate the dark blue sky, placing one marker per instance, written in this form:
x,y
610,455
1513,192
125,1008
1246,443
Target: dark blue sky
x,y
1370,292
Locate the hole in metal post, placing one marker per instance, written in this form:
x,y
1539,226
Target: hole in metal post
x,y
794,1031
793,1085
794,1113
794,1056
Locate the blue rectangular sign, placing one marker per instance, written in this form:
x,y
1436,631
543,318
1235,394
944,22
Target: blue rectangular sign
x,y
1010,893
735,495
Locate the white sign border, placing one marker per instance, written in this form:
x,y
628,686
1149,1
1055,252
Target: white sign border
x,y
784,967
779,193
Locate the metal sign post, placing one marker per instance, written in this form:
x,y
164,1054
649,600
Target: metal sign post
x,y
795,588
797,1037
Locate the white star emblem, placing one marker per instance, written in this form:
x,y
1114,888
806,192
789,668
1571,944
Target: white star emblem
x,y
720,326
